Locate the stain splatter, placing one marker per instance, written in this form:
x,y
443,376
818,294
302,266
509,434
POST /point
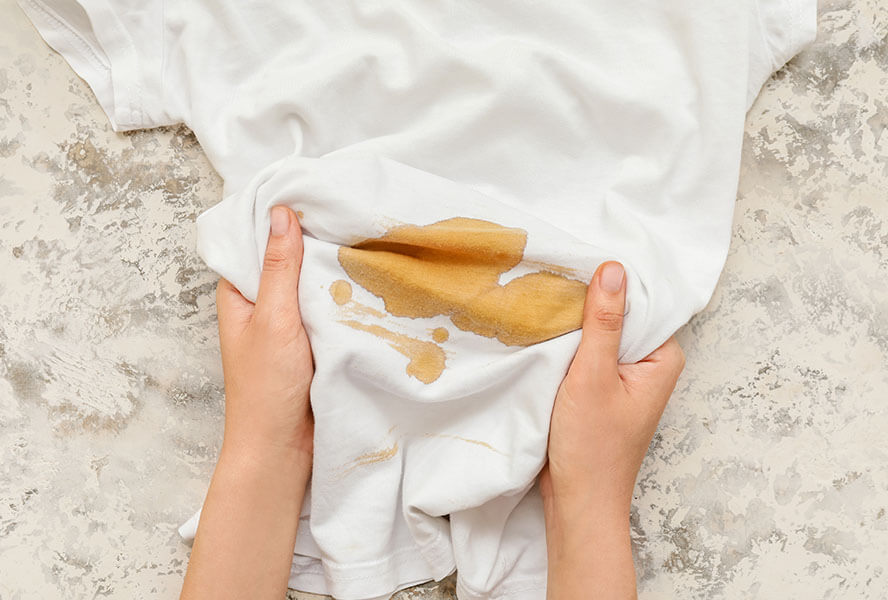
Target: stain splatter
x,y
341,291
356,308
440,335
427,359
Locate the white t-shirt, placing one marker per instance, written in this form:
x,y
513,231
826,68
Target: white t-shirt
x,y
461,169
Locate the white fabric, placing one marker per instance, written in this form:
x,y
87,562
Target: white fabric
x,y
605,130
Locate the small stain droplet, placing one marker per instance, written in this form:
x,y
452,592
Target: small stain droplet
x,y
341,291
439,334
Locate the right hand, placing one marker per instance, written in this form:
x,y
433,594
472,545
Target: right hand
x,y
606,413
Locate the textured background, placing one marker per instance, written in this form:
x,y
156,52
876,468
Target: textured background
x,y
767,478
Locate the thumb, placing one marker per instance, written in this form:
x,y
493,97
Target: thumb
x,y
602,323
279,281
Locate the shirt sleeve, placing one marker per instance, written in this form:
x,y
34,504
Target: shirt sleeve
x,y
116,46
780,30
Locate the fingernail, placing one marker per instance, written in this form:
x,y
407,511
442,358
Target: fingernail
x,y
612,277
280,220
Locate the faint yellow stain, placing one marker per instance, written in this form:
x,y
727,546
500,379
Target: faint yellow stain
x,y
377,456
463,439
553,268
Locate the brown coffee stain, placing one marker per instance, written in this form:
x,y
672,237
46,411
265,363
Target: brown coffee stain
x,y
452,268
341,291
300,215
440,335
426,358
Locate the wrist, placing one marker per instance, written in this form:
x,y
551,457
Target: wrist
x,y
576,513
588,539
268,439
601,511
589,553
259,461
578,492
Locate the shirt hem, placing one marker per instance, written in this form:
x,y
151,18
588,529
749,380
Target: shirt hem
x,y
525,589
378,578
400,569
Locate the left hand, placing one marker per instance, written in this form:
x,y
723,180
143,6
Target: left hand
x,y
247,530
266,357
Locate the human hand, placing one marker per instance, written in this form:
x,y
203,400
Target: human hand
x,y
603,420
266,356
244,542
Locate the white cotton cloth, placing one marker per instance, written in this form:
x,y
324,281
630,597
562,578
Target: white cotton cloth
x,y
600,129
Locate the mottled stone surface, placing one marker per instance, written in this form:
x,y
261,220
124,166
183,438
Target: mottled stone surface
x,y
767,478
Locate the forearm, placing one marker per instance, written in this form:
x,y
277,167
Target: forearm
x,y
589,549
247,530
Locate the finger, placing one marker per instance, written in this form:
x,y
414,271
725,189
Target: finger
x,y
279,281
599,347
233,310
